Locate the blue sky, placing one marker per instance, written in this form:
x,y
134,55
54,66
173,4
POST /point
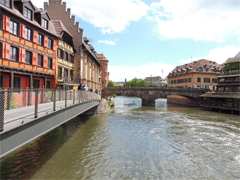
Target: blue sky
x,y
141,38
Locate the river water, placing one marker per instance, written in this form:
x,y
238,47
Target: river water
x,y
134,142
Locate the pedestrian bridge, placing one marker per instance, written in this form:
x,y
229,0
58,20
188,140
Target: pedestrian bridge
x,y
27,114
149,94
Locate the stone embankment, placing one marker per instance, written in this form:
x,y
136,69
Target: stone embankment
x,y
174,99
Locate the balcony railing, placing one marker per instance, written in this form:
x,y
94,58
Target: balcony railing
x,y
20,105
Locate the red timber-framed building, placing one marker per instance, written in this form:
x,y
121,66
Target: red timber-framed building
x,y
28,44
104,68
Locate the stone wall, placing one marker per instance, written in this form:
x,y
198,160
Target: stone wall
x,y
174,99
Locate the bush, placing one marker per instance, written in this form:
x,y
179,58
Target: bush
x,y
114,95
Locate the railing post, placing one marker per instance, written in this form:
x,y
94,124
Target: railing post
x,y
1,110
36,104
54,99
29,97
74,96
65,97
9,96
79,93
42,96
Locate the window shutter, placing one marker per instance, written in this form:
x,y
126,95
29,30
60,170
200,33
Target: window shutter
x,y
45,41
22,55
54,64
54,45
45,60
5,51
35,36
6,23
34,58
22,31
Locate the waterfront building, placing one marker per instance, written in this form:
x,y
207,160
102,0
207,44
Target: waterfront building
x,y
90,66
66,78
198,74
151,80
86,65
28,44
104,69
227,96
161,82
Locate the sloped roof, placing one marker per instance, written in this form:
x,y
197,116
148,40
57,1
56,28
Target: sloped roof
x,y
34,22
60,28
101,57
206,65
87,47
235,59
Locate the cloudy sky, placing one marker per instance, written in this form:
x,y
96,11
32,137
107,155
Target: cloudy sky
x,y
143,38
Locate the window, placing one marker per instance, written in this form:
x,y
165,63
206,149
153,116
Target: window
x,y
50,43
48,85
71,59
105,66
28,57
29,34
105,74
200,69
27,13
13,53
40,60
71,75
207,80
65,73
13,27
40,39
66,56
36,83
189,79
49,65
17,82
6,3
198,79
105,82
0,50
60,53
44,23
60,72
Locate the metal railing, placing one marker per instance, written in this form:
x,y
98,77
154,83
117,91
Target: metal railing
x,y
21,105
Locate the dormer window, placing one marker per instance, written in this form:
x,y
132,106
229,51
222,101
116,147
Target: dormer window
x,y
6,3
27,13
200,69
44,23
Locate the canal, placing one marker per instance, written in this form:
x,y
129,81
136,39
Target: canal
x,y
134,142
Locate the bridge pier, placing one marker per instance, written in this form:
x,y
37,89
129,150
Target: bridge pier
x,y
148,102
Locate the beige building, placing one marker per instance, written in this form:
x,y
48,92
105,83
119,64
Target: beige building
x,y
151,80
86,64
198,74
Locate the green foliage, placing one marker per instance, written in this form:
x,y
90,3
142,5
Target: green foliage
x,y
111,83
12,103
231,65
114,95
137,82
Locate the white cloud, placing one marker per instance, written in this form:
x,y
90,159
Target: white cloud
x,y
119,73
197,19
219,55
107,42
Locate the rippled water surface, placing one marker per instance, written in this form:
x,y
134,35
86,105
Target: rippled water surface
x,y
134,142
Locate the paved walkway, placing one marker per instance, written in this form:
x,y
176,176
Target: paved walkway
x,y
14,118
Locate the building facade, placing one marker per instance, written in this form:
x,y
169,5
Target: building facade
x,y
198,74
104,69
151,80
28,44
227,95
86,65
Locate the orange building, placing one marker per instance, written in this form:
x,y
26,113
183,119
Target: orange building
x,y
104,69
28,44
198,74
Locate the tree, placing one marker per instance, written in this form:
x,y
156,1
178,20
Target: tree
x,y
111,83
137,82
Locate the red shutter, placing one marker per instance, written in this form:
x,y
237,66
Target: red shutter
x,y
22,55
54,45
45,60
45,41
22,31
34,59
5,51
6,23
35,36
54,64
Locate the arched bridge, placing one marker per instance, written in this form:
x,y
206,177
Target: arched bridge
x,y
150,94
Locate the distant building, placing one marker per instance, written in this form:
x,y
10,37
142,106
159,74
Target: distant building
x,y
198,74
151,80
161,83
119,83
104,68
